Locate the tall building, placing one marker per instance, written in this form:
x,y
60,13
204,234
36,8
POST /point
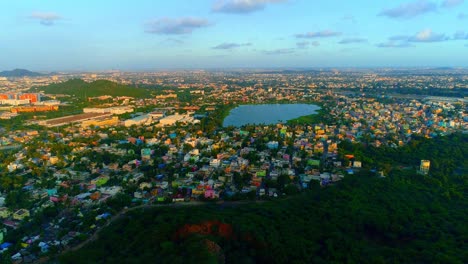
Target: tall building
x,y
33,97
18,99
424,167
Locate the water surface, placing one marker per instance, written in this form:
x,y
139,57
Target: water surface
x,y
267,113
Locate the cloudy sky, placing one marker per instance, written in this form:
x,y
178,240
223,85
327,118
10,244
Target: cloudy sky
x,y
48,35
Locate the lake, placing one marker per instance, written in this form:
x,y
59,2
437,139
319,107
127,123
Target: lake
x,y
267,113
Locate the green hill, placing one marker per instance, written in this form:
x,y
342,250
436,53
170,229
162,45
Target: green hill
x,y
82,89
19,73
403,218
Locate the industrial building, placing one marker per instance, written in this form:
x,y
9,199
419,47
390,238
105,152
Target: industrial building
x,y
173,119
101,122
139,120
31,109
118,110
66,120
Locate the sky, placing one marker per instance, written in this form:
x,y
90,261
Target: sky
x,y
145,35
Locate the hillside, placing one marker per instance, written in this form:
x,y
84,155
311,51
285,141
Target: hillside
x,y
403,218
82,89
19,73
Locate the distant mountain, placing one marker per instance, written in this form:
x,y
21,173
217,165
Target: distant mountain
x,y
19,73
83,90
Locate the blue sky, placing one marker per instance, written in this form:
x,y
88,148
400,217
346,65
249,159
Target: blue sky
x,y
49,35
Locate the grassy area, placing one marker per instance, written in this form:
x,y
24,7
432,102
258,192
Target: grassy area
x,y
316,118
304,120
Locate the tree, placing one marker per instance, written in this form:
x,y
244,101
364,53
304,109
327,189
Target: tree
x,y
18,199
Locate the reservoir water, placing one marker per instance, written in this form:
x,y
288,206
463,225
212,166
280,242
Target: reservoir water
x,y
267,113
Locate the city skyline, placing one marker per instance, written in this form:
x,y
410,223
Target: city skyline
x,y
49,36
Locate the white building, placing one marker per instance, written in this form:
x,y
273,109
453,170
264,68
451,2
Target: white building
x,y
139,120
14,101
357,164
215,162
171,120
118,110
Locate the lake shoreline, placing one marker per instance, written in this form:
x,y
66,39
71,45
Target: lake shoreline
x,y
269,114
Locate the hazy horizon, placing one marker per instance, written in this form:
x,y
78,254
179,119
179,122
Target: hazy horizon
x,y
249,69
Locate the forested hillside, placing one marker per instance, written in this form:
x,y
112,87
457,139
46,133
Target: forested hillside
x,y
81,89
402,218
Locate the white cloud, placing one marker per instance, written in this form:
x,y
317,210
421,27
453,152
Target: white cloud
x,y
278,51
404,41
460,35
306,44
319,34
352,40
428,36
462,16
242,6
229,46
45,18
410,10
451,3
394,44
176,26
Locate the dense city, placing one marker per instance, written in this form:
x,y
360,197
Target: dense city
x,y
75,154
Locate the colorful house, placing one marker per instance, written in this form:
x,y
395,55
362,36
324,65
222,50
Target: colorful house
x,y
21,214
210,194
4,212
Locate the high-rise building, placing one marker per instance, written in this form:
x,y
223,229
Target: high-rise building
x,y
424,167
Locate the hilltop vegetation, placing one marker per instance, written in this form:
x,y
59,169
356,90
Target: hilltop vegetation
x,y
81,89
403,218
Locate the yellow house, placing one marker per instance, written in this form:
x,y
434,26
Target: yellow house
x,y
53,160
4,212
21,214
198,192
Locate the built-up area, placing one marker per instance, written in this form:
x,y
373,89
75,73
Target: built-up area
x,y
63,178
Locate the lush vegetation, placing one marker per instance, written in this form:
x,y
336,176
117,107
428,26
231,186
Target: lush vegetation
x,y
215,119
320,117
447,155
81,89
402,218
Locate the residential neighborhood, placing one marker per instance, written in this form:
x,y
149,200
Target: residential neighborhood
x,y
66,171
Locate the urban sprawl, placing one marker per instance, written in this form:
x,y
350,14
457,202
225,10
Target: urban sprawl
x,y
70,165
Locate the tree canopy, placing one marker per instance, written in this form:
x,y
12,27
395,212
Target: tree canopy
x,y
81,89
404,217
